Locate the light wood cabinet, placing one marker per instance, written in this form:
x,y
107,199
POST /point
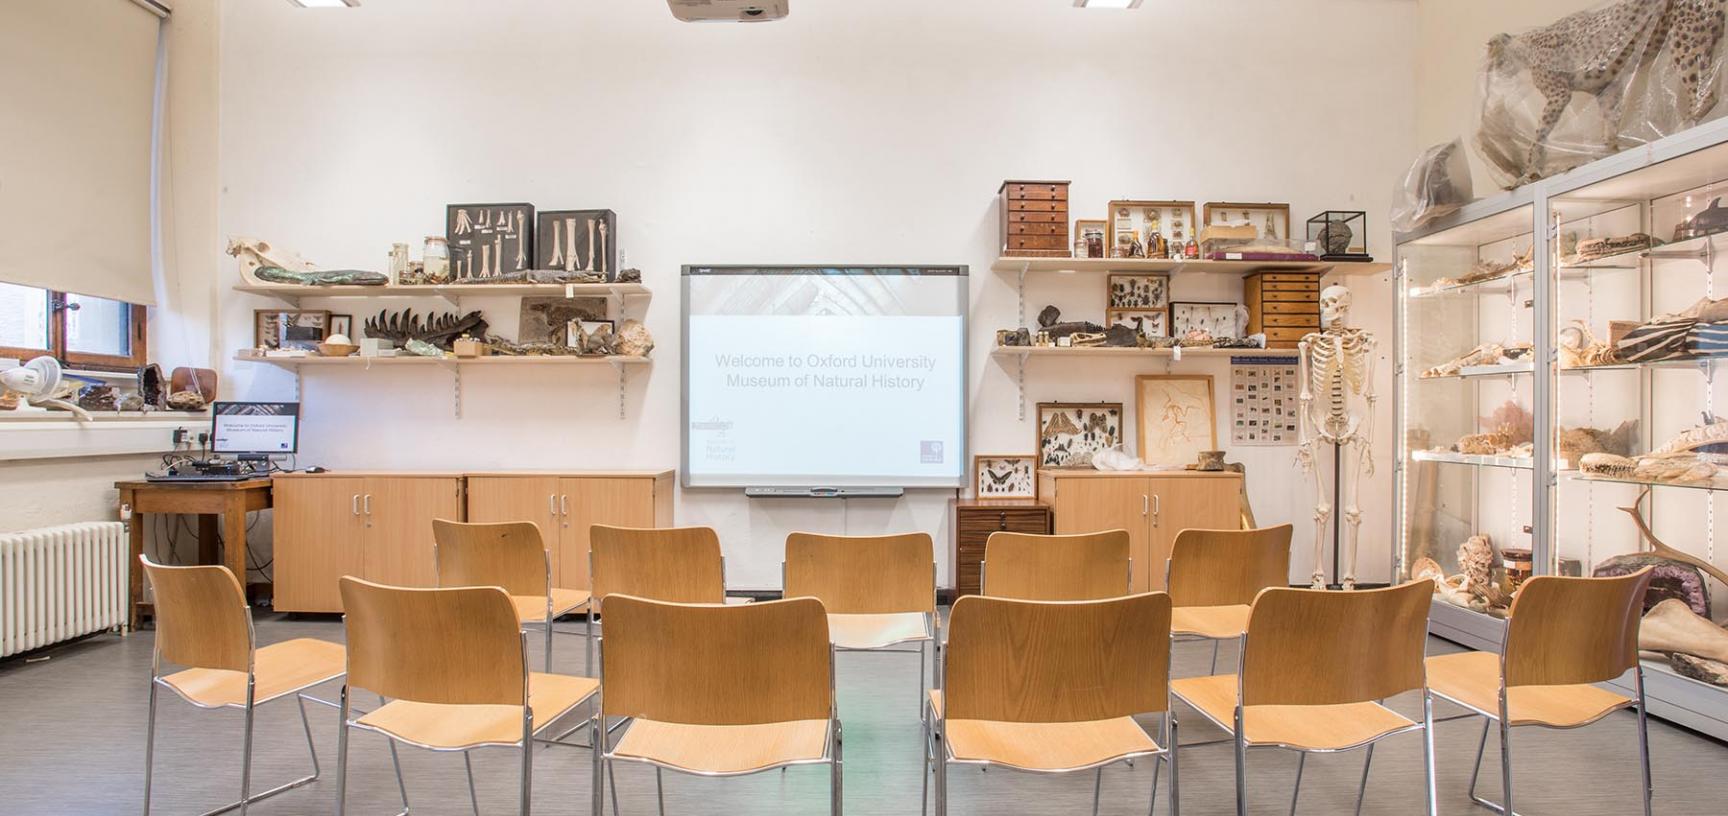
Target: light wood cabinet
x,y
376,526
566,505
1152,506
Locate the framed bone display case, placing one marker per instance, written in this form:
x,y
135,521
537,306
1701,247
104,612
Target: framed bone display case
x,y
489,241
578,241
1149,229
1464,411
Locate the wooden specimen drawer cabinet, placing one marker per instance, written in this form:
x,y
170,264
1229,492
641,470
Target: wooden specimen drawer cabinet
x,y
566,505
1035,219
1284,305
1152,506
975,520
376,526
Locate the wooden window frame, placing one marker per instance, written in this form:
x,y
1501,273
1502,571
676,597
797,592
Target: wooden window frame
x,y
138,325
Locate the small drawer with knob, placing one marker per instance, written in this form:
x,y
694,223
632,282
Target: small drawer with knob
x,y
974,521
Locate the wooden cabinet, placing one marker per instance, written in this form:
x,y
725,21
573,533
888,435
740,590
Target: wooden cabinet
x,y
566,505
974,521
1152,506
377,526
1034,219
1283,305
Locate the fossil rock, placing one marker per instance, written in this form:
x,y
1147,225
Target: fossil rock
x,y
186,401
1484,444
1714,672
1671,627
1430,569
421,348
1335,237
152,386
1607,464
333,277
132,402
98,397
8,400
1669,579
1575,443
634,339
1049,322
631,275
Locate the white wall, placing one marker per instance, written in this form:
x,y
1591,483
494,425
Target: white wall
x,y
852,132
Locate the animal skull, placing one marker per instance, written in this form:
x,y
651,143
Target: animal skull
x,y
1334,307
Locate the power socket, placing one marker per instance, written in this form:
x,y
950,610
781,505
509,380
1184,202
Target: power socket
x,y
180,436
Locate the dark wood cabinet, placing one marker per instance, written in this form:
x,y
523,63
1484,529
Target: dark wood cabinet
x,y
1034,219
975,520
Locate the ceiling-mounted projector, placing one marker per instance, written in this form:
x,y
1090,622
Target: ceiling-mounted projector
x,y
729,11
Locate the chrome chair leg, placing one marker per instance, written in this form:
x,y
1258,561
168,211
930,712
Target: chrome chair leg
x,y
1505,757
1241,766
836,777
548,645
1301,762
473,795
342,754
527,800
1428,754
922,648
1097,789
612,782
924,774
588,641
1362,789
1175,778
1644,743
941,760
1481,750
149,745
598,784
1214,669
659,791
246,746
1158,761
396,763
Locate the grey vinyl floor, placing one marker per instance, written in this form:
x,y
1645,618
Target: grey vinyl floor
x,y
72,737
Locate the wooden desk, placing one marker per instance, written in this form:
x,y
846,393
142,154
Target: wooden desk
x,y
230,500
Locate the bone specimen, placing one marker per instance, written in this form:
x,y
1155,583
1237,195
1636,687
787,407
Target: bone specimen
x,y
1678,469
1712,432
1579,347
464,224
1336,408
1476,562
1592,249
590,244
1607,464
1484,444
485,260
569,245
557,259
602,268
1485,354
498,254
438,330
1671,627
485,219
521,245
1702,669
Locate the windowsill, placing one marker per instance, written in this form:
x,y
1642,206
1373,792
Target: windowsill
x,y
60,435
55,417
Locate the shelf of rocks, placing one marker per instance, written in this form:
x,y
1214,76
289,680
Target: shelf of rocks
x,y
1125,351
292,293
355,361
1092,265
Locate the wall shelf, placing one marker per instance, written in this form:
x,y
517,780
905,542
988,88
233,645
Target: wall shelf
x,y
1093,265
452,293
1134,353
618,363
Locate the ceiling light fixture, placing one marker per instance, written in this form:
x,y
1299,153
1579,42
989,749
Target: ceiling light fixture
x,y
1107,4
326,3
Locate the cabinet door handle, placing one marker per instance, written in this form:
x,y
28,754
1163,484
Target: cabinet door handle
x,y
552,504
1145,506
1157,504
1002,521
354,503
564,506
367,504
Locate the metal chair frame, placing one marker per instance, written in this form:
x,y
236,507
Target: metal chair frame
x,y
928,645
588,632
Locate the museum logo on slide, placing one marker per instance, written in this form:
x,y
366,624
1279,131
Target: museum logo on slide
x,y
930,452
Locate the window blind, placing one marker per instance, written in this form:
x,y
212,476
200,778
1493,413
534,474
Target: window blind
x,y
77,86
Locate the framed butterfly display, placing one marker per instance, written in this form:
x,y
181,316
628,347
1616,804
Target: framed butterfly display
x,y
1070,433
1005,476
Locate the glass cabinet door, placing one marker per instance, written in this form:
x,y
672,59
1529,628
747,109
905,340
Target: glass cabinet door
x,y
1466,412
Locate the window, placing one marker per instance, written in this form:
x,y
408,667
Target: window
x,y
82,331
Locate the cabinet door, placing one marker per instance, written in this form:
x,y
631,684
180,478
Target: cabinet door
x,y
519,498
319,539
621,502
1088,505
399,513
1197,502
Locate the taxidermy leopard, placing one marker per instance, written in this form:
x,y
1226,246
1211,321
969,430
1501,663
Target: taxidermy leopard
x,y
1588,52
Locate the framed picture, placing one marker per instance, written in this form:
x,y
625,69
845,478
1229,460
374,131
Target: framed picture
x,y
1271,221
1176,416
1137,227
342,324
1005,477
488,240
1216,317
1091,238
1151,322
578,241
1134,291
548,319
289,328
1071,433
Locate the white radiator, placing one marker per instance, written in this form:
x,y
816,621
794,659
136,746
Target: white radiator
x,y
57,583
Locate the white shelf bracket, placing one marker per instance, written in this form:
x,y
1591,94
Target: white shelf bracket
x,y
456,387
1020,383
452,298
1020,294
618,368
298,385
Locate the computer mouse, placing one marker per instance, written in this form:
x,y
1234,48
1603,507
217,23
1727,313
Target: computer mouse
x,y
314,469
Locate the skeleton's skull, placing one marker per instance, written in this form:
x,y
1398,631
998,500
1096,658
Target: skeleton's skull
x,y
1334,307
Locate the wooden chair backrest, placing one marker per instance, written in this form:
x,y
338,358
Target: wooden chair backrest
x,y
1563,631
863,575
1223,567
675,564
201,617
1032,567
706,664
509,554
1312,647
1057,661
455,646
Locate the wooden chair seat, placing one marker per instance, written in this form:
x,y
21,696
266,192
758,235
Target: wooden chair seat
x,y
724,750
1214,622
1050,747
1472,680
532,608
1312,728
281,668
876,631
455,727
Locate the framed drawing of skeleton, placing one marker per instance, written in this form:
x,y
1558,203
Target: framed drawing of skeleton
x,y
1337,412
1004,476
1176,417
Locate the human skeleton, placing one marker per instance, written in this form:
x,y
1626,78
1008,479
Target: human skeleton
x,y
1337,368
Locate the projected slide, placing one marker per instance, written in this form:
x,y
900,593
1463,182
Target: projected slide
x,y
825,378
